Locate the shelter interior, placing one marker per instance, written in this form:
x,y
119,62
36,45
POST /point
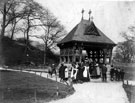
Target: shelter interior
x,y
79,52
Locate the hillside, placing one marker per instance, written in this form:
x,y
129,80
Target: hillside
x,y
14,52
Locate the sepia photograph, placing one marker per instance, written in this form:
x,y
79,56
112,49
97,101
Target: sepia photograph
x,y
67,51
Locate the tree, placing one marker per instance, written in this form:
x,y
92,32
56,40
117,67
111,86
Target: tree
x,y
20,15
24,17
14,11
32,14
7,18
125,51
53,30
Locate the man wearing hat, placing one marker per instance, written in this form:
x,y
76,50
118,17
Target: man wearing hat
x,y
104,70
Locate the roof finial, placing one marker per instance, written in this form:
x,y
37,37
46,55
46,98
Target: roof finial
x,y
89,14
82,13
92,18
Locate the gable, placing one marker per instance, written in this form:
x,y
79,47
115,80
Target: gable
x,y
91,30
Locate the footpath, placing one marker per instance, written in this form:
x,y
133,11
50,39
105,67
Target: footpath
x,y
97,92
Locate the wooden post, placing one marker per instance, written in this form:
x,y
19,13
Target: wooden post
x,y
122,82
35,95
57,92
74,57
47,75
98,56
104,56
74,54
56,77
80,52
68,54
64,58
60,58
130,95
127,82
61,53
110,56
41,73
68,59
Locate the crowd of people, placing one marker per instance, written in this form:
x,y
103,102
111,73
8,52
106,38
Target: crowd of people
x,y
116,74
84,72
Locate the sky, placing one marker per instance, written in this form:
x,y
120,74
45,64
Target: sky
x,y
111,17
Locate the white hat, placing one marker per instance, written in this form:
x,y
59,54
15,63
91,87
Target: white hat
x,y
96,64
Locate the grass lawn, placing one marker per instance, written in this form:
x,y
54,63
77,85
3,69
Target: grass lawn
x,y
130,90
19,87
129,75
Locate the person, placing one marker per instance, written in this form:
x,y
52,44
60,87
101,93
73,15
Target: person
x,y
112,73
94,70
116,74
50,71
122,73
90,68
62,72
80,73
86,73
104,70
98,71
119,76
66,74
53,69
74,71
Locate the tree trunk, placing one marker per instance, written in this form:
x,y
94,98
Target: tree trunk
x,y
45,52
27,33
13,30
3,22
27,38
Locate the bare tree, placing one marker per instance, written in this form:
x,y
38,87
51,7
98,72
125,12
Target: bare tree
x,y
7,18
52,28
15,10
26,16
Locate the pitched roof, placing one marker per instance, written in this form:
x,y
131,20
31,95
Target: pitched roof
x,y
86,31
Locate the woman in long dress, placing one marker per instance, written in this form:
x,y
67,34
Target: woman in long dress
x,y
86,73
74,72
98,71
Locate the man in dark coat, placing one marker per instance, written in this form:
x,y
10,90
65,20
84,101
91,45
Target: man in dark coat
x,y
112,73
80,73
116,74
62,72
122,73
119,76
104,70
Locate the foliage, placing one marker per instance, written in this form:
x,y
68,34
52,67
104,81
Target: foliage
x,y
125,51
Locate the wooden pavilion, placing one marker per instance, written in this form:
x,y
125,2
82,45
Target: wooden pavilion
x,y
85,36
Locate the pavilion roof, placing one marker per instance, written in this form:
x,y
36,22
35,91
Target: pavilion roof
x,y
86,31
